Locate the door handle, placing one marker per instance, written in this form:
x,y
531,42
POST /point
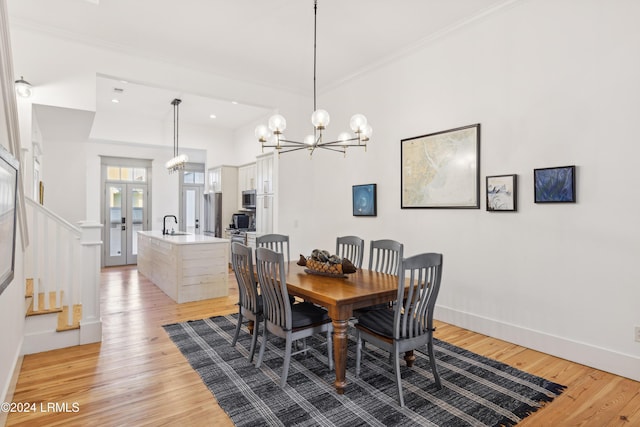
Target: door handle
x,y
124,220
124,227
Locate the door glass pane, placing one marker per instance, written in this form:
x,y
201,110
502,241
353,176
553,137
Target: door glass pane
x,y
190,210
139,174
188,177
115,220
113,173
126,174
137,217
199,177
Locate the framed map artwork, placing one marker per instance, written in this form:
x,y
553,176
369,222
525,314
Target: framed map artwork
x,y
441,170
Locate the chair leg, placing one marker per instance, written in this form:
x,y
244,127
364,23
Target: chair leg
x,y
432,362
330,349
396,366
262,347
287,361
238,326
358,352
254,340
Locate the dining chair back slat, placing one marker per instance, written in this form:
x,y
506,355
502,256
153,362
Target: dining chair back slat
x,y
249,301
385,256
351,248
275,242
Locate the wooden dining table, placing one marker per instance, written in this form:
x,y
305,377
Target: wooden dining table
x,y
341,296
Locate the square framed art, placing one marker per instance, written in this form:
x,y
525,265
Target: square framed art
x,y
555,185
364,200
441,170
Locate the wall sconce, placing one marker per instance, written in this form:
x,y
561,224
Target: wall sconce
x,y
24,88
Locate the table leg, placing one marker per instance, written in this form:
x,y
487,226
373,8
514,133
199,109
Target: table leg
x,y
340,353
409,357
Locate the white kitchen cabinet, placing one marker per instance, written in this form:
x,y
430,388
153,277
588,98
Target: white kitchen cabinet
x,y
251,239
264,213
265,172
266,200
246,180
250,176
215,180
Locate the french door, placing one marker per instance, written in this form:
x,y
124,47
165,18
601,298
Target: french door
x,y
191,197
191,207
126,214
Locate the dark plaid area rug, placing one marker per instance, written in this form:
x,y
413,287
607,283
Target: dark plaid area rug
x,y
476,391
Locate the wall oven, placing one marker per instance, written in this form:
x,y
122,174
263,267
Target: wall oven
x,y
249,199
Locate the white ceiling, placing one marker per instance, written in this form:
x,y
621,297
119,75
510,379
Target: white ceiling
x,y
268,42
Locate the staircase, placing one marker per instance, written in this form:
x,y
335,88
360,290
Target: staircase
x,y
65,321
61,299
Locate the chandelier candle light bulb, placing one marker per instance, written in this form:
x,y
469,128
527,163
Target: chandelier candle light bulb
x,y
272,137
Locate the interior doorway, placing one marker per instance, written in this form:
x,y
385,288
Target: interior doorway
x,y
191,197
126,210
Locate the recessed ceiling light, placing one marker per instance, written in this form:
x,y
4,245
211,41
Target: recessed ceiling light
x,y
234,102
212,116
115,101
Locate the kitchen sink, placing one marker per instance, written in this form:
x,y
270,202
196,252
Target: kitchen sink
x,y
178,233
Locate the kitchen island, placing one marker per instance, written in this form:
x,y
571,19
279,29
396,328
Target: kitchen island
x,y
187,267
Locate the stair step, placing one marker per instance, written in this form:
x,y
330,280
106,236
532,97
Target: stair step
x,y
63,312
41,310
64,315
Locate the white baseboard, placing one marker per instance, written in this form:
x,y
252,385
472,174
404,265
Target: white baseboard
x,y
49,340
617,363
7,393
90,331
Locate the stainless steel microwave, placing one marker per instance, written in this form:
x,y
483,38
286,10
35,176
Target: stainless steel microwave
x,y
249,199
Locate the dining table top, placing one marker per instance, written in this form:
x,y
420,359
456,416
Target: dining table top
x,y
360,289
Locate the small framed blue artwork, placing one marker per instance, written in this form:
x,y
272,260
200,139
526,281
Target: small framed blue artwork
x,y
364,200
555,185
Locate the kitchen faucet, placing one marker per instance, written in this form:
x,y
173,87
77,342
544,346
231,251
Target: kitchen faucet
x,y
164,223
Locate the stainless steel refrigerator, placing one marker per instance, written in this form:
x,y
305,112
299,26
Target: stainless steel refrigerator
x,y
213,214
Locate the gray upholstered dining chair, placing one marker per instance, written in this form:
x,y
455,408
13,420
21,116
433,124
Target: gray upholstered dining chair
x,y
275,242
250,303
283,319
409,325
351,248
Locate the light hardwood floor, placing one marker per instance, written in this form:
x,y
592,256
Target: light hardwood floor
x,y
136,376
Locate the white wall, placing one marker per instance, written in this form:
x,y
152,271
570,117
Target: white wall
x,y
12,309
552,83
12,300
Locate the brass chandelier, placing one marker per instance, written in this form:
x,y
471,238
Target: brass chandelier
x,y
273,135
